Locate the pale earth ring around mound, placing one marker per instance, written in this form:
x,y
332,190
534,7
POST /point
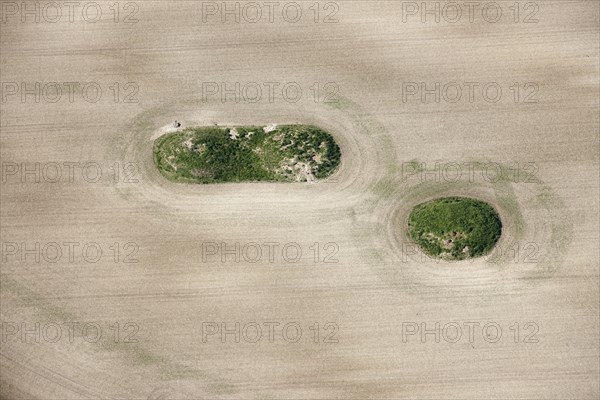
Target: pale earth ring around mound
x,y
368,189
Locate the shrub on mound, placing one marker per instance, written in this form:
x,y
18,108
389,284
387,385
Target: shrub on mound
x,y
455,228
286,153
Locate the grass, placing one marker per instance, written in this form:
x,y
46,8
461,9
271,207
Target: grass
x,y
455,228
247,153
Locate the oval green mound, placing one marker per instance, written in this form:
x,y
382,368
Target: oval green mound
x,y
285,153
455,228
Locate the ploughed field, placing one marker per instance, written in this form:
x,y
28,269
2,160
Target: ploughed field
x,y
288,153
375,317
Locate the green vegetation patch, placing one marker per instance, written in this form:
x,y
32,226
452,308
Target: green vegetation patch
x,y
285,153
455,228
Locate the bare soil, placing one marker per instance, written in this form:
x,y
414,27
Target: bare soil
x,y
379,285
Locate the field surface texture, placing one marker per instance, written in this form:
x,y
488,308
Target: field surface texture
x,y
119,281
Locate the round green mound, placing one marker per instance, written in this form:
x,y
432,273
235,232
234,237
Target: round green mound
x,y
285,153
455,228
